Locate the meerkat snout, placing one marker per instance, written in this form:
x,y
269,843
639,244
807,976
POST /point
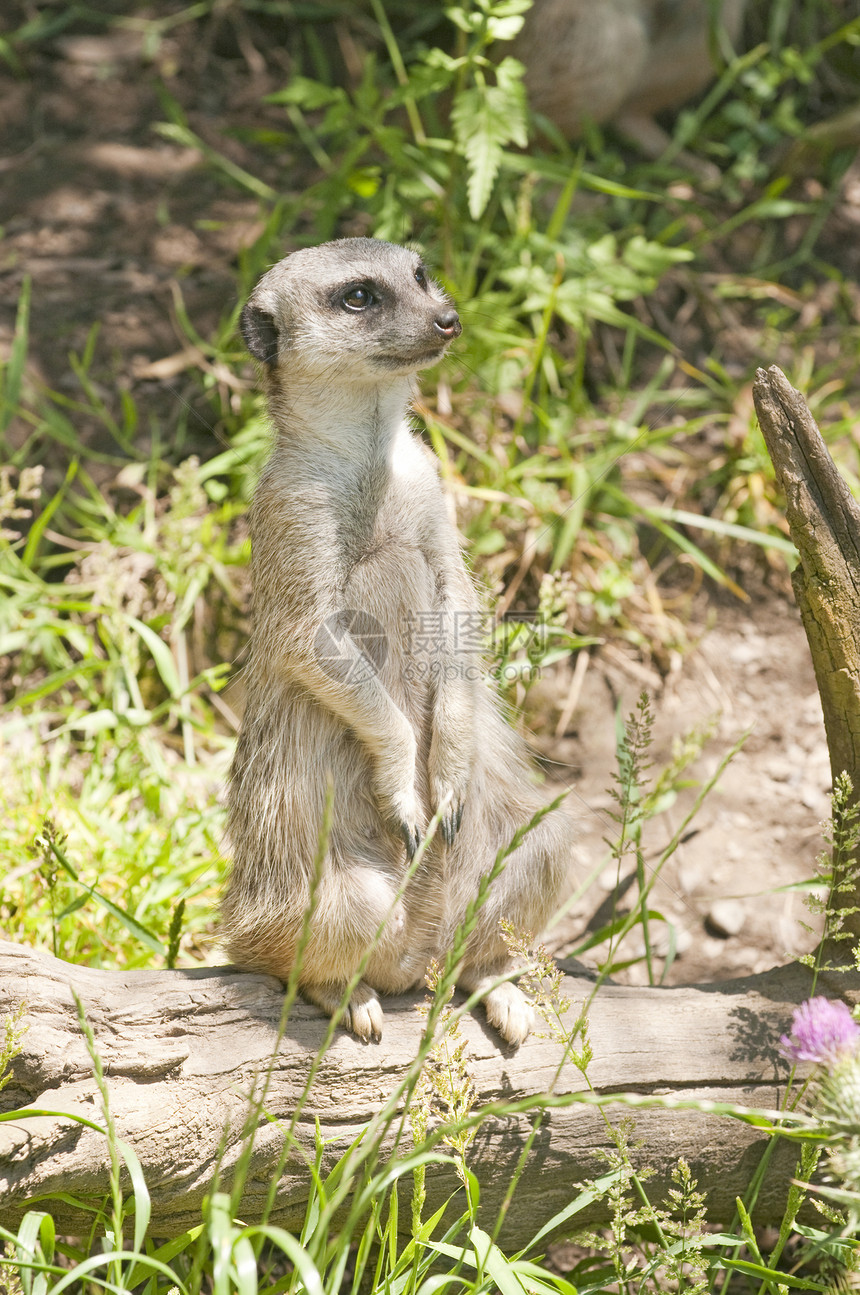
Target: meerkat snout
x,y
448,325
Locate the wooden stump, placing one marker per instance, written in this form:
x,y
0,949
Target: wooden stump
x,y
824,520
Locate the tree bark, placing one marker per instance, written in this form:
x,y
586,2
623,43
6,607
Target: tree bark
x,y
182,1050
824,521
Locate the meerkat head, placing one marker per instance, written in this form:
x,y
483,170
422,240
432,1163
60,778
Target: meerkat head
x,y
356,307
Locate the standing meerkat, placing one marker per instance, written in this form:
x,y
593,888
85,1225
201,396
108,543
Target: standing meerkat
x,y
365,664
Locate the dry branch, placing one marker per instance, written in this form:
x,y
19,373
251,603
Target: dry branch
x,y
182,1050
824,521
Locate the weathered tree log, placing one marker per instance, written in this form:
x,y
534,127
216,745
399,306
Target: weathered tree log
x,y
181,1051
824,520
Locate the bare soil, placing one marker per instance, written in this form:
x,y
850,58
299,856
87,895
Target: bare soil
x,y
727,888
115,224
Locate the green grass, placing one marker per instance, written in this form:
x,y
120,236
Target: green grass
x,y
595,429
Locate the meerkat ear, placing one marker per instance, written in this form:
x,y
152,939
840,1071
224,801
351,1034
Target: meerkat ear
x,y
260,333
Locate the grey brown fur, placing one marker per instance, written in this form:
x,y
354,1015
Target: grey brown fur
x,y
621,60
350,529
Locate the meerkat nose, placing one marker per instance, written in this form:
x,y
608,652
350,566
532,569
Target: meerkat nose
x,y
448,324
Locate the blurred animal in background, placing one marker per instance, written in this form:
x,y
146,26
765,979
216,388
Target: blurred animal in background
x,y
622,61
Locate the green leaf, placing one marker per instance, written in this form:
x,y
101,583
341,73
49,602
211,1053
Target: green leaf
x,y
40,522
308,94
36,1230
161,655
75,1277
94,721
297,1255
504,28
494,1263
12,373
244,1266
774,1278
53,682
221,1234
139,1273
653,258
538,1280
142,1203
485,119
730,529
131,923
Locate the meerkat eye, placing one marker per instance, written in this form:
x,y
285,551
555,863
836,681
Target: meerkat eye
x,y
421,277
358,298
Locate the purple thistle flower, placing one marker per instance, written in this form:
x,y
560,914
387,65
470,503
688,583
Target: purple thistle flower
x,y
821,1031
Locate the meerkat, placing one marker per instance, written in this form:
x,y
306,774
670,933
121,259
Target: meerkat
x,y
622,60
365,665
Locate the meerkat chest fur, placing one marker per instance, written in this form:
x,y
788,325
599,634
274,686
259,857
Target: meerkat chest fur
x,y
355,513
381,484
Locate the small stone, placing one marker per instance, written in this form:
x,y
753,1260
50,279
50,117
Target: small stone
x,y
690,877
683,941
610,878
660,941
781,769
812,798
725,918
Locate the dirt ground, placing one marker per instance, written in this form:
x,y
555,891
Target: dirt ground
x,y
115,224
758,832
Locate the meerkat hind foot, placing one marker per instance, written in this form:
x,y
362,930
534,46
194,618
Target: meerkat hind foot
x,y
363,1015
507,1008
511,1012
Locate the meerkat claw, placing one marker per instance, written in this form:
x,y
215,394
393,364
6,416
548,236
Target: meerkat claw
x,y
450,824
411,837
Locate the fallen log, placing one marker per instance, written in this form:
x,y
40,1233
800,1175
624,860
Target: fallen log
x,y
182,1051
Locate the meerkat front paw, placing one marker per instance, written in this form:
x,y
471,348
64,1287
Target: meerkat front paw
x,y
410,834
453,799
395,789
450,793
448,786
407,820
